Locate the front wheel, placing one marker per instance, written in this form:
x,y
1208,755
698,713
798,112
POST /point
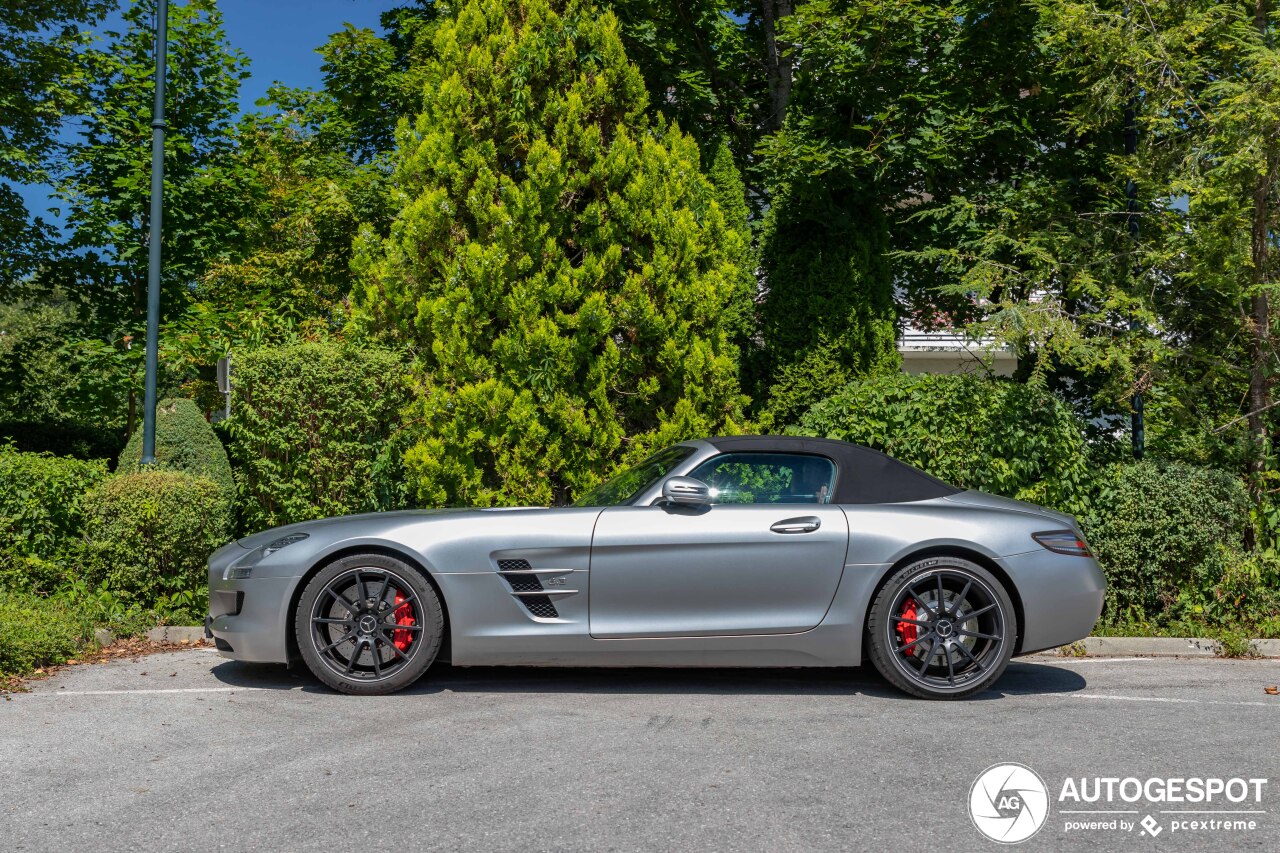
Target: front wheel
x,y
942,628
369,624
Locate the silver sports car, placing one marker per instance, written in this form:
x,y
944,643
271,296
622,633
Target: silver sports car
x,y
754,551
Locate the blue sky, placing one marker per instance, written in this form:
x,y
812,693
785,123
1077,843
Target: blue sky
x,y
280,38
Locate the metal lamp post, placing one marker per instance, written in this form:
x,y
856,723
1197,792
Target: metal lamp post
x,y
153,266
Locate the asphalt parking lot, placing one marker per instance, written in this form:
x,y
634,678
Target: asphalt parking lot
x,y
185,750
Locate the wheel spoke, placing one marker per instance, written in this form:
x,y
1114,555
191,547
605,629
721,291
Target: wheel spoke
x,y
917,640
920,600
920,622
942,595
351,662
961,598
979,611
951,670
324,620
334,645
392,626
361,592
377,658
391,645
928,656
977,635
962,647
382,593
342,599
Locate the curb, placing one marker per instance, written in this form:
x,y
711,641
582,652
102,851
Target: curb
x,y
176,634
1184,647
1161,647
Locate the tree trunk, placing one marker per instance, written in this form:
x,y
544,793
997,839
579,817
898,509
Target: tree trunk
x,y
131,420
777,61
1260,305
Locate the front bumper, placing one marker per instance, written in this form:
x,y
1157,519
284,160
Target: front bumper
x,y
1062,597
248,619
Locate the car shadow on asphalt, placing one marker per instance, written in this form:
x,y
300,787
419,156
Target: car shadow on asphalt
x,y
1021,679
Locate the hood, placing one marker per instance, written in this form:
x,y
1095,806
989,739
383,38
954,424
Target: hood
x,y
257,540
982,499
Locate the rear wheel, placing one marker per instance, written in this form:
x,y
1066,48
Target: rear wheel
x,y
942,628
369,624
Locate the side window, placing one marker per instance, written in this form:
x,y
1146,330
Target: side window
x,y
768,478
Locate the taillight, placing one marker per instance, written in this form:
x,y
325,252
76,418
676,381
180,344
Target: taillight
x,y
1063,542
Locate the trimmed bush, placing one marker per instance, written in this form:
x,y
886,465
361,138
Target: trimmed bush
x,y
184,442
41,497
991,434
41,515
1158,528
313,432
148,534
36,631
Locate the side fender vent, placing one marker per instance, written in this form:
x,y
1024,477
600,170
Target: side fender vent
x,y
525,584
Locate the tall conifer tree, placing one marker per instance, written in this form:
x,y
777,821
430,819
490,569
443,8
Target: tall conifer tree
x,y
560,267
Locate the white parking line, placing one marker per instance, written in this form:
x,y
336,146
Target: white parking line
x,y
1171,699
131,692
1103,660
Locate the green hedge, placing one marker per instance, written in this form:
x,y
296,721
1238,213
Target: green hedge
x,y
36,631
314,430
184,442
41,516
1233,590
1158,529
995,435
148,534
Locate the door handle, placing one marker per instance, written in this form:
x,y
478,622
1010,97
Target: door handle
x,y
805,524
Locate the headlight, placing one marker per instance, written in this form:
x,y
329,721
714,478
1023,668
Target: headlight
x,y
283,541
1063,542
243,572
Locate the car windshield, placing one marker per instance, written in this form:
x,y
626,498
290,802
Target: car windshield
x,y
628,485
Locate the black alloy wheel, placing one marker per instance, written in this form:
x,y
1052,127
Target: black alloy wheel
x,y
942,628
369,624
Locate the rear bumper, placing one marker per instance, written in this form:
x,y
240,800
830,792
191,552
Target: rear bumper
x,y
1061,595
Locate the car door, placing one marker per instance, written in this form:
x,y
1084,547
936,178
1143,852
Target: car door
x,y
765,558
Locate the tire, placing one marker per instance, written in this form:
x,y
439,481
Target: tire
x,y
942,653
385,635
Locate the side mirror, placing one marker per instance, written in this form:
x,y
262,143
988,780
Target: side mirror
x,y
686,491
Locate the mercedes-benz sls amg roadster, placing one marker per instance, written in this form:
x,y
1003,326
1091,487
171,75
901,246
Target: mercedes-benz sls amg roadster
x,y
748,551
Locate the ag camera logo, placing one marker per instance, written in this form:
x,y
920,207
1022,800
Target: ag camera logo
x,y
1008,803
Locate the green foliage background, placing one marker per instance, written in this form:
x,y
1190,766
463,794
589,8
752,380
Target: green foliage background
x,y
508,246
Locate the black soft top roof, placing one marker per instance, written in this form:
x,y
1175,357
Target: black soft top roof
x,y
863,475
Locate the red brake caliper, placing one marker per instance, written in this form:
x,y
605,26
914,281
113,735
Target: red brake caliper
x,y
907,631
404,616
